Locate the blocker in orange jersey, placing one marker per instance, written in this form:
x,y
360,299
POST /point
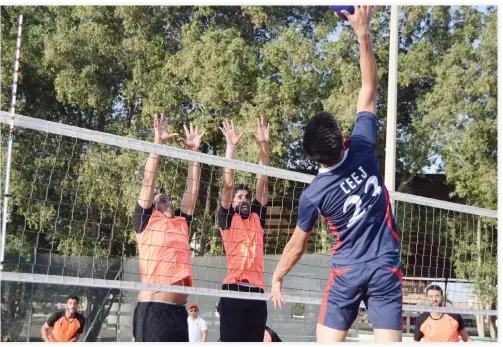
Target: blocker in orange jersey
x,y
242,221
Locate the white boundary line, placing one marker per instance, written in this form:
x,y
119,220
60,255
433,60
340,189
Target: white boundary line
x,y
148,147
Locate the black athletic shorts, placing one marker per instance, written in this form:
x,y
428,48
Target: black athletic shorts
x,y
242,320
160,322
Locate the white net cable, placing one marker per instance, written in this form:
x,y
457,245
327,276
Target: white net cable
x,y
76,190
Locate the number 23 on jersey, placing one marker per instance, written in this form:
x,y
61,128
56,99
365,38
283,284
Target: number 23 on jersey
x,y
372,190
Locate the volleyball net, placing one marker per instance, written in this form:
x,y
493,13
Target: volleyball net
x,y
71,223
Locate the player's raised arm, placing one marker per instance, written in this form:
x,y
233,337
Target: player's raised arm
x,y
192,141
232,139
145,200
360,21
262,135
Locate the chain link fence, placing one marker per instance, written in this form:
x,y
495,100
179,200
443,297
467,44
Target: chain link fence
x,y
27,306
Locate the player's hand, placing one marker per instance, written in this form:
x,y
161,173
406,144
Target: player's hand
x,y
275,295
231,136
262,131
192,138
360,20
161,129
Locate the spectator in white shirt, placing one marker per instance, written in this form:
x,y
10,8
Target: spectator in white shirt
x,y
198,330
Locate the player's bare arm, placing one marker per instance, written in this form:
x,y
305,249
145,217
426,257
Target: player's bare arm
x,y
45,330
192,141
262,136
292,253
464,335
75,338
232,139
360,21
146,198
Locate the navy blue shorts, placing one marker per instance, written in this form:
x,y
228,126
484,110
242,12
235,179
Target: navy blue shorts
x,y
378,283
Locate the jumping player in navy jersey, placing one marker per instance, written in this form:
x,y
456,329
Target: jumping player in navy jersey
x,y
350,194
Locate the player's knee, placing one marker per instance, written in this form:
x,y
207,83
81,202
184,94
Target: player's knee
x,y
326,334
387,335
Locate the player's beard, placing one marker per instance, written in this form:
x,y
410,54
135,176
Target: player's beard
x,y
243,209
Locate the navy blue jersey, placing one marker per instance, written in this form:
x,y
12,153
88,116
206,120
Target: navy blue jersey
x,y
351,196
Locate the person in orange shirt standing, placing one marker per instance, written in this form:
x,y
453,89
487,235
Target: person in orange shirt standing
x,y
438,326
242,224
162,235
66,325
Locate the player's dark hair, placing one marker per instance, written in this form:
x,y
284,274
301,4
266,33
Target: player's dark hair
x,y
434,287
323,139
238,187
74,297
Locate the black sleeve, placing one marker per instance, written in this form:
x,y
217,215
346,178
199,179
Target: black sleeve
x,y
188,218
82,321
257,208
459,319
418,335
225,217
141,217
54,318
274,336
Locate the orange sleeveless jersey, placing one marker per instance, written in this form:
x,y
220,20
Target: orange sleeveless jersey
x,y
164,251
244,249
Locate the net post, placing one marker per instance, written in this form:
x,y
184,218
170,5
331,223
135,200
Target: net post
x,y
9,145
389,168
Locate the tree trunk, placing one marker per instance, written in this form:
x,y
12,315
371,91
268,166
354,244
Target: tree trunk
x,y
405,182
207,215
493,328
478,298
479,319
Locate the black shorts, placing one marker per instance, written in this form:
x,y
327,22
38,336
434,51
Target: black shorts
x,y
242,320
160,322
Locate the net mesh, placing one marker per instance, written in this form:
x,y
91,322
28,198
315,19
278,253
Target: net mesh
x,y
109,315
71,223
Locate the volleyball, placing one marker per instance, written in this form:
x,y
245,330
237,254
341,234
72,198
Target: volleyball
x,y
337,10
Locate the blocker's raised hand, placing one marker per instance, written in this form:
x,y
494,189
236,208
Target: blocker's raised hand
x,y
231,136
192,138
262,131
161,129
